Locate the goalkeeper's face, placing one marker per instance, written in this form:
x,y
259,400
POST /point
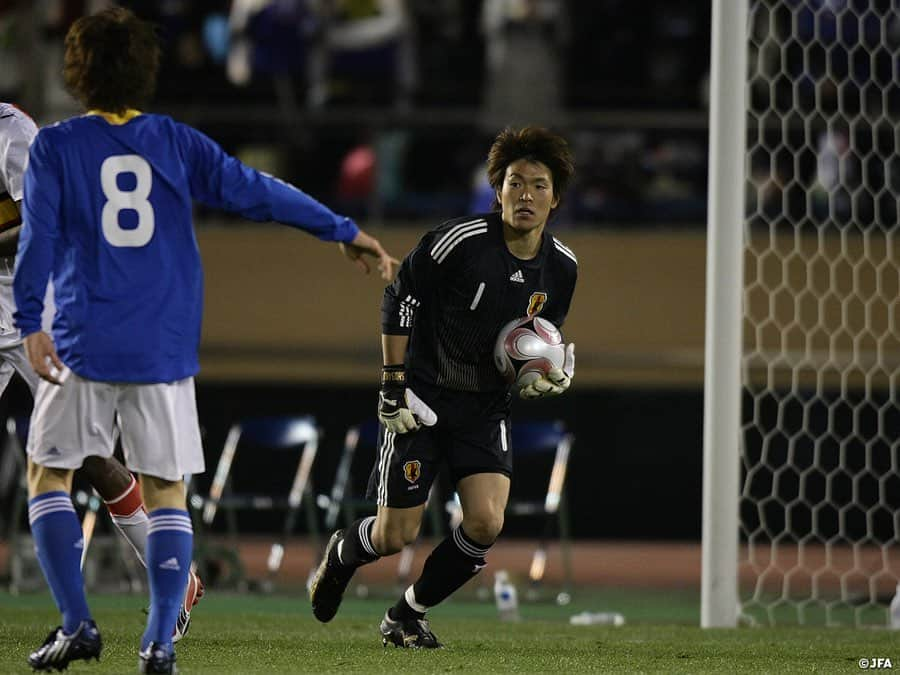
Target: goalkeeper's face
x,y
527,195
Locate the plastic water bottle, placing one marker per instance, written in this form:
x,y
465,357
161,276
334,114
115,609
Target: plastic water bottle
x,y
597,619
506,596
895,610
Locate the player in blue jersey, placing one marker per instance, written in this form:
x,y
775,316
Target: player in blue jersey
x,y
107,215
112,481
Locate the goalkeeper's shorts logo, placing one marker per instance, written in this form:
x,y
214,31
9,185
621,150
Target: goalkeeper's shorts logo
x,y
412,470
536,303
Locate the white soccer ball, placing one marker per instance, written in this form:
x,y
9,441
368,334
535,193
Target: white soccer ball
x,y
527,349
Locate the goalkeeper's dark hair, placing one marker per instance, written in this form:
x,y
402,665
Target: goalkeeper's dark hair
x,y
111,61
534,144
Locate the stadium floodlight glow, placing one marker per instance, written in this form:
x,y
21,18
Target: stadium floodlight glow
x,y
819,430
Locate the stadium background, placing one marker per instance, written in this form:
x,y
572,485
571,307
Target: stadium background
x,y
393,130
384,110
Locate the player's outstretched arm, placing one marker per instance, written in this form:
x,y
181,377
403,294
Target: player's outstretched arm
x,y
43,357
365,244
222,181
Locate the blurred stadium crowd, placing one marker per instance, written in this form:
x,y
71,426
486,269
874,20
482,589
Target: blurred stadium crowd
x,y
323,91
382,108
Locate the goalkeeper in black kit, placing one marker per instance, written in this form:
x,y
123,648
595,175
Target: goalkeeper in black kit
x,y
442,397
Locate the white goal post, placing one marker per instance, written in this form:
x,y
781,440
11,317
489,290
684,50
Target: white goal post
x,y
801,512
721,383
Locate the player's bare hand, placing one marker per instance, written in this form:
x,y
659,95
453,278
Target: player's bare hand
x,y
43,357
366,245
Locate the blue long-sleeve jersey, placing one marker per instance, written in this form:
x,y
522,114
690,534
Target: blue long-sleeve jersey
x,y
107,213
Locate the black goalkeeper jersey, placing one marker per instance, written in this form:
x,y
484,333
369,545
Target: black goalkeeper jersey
x,y
459,287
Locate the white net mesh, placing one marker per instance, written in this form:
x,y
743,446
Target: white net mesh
x,y
820,500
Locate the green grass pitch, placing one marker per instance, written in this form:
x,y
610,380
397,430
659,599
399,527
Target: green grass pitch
x,y
277,634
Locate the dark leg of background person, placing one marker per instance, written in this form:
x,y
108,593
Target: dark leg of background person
x,y
107,476
122,495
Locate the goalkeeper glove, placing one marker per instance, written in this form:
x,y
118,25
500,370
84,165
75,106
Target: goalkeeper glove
x,y
399,409
555,382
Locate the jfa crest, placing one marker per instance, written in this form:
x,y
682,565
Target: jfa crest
x,y
536,303
412,470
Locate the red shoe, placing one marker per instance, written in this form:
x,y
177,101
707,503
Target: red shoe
x,y
192,596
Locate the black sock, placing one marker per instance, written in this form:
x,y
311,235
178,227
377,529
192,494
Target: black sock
x,y
451,564
402,611
356,549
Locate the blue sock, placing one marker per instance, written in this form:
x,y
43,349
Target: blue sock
x,y
58,544
170,542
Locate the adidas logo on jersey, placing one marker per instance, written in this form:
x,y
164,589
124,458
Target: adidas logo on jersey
x,y
170,564
517,277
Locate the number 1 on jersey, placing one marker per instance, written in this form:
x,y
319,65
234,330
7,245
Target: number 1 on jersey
x,y
118,200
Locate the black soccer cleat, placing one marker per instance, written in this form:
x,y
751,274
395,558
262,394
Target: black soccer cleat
x,y
60,649
157,658
327,588
409,633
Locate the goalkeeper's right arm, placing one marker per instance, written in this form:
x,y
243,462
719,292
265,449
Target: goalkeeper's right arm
x,y
399,409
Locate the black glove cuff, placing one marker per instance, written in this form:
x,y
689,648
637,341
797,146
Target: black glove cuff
x,y
393,375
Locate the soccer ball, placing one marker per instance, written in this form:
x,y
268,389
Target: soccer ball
x,y
527,349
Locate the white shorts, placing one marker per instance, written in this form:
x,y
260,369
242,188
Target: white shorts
x,y
14,359
78,419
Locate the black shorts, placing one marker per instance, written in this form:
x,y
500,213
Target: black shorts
x,y
472,435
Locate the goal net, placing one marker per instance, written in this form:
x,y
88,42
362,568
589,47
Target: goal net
x,y
819,505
